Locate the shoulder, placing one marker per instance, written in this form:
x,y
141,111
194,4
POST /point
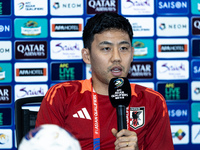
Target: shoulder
x,y
150,98
139,90
69,87
65,90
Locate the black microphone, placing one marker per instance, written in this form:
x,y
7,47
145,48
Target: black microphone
x,y
120,95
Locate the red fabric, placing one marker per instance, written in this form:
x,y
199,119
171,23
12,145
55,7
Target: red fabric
x,y
64,100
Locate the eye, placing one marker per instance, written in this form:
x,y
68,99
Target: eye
x,y
123,48
106,49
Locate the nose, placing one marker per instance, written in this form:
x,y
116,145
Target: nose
x,y
116,57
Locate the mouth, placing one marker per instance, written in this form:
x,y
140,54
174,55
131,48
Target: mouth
x,y
116,71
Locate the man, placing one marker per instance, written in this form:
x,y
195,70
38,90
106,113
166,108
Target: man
x,y
83,107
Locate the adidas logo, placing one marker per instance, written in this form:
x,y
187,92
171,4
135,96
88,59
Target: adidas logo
x,y
83,113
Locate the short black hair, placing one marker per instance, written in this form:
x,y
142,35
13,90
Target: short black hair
x,y
102,22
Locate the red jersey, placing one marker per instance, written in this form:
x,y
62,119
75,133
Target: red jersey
x,y
69,105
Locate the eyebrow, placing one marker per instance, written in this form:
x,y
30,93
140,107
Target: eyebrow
x,y
109,43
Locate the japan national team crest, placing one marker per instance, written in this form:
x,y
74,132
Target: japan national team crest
x,y
137,117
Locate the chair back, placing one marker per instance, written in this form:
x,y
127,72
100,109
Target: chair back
x,y
25,115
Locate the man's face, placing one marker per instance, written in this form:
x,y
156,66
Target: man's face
x,y
110,56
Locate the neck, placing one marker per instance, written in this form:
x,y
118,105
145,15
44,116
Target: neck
x,y
100,88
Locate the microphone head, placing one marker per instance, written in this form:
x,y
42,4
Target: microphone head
x,y
119,91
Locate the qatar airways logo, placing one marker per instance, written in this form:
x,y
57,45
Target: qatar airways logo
x,y
66,49
30,90
141,70
172,69
99,6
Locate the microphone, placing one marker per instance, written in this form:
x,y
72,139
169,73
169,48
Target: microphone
x,y
120,95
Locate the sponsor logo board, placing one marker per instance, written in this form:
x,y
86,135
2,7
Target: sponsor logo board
x,y
195,90
5,50
172,26
196,134
5,7
5,116
31,49
173,91
30,8
195,69
180,134
143,48
30,28
135,7
30,90
146,84
31,72
196,25
170,7
172,48
5,28
178,112
6,139
195,108
142,26
195,7
172,69
195,47
5,94
141,70
66,49
88,71
66,27
5,72
99,6
66,71
66,7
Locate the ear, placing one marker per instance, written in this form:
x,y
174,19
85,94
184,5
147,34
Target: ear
x,y
132,49
86,55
